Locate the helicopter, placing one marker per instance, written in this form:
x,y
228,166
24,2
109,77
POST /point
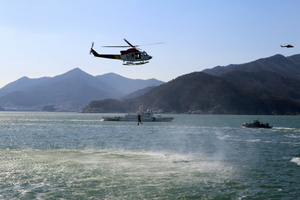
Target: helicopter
x,y
131,56
287,46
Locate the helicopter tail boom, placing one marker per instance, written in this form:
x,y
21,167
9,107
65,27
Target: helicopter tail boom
x,y
118,57
110,56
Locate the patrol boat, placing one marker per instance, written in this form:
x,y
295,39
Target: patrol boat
x,y
257,124
145,117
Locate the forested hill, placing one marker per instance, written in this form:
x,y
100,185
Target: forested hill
x,y
200,93
276,75
285,66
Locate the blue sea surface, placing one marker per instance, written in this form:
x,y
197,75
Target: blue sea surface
x,y
77,156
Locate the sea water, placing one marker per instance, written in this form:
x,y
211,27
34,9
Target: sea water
x,y
77,156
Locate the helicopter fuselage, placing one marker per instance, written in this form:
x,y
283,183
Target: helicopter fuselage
x,y
134,55
131,56
287,46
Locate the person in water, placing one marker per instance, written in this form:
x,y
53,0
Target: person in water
x,y
139,119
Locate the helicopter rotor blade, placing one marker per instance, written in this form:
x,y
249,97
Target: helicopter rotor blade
x,y
117,46
150,44
133,46
129,43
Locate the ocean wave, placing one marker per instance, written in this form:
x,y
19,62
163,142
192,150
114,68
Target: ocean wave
x,y
296,160
283,128
292,136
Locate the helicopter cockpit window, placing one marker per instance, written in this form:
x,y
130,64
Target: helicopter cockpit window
x,y
137,56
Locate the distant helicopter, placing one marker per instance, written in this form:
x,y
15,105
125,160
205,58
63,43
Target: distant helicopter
x,y
131,56
287,46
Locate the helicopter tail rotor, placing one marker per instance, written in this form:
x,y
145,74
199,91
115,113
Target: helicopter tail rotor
x,y
92,47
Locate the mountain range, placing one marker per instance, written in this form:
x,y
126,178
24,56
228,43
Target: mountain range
x,y
265,86
70,91
277,76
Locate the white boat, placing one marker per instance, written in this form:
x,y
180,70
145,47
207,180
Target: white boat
x,y
145,117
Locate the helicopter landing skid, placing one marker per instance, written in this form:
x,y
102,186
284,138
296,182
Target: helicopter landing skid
x,y
135,63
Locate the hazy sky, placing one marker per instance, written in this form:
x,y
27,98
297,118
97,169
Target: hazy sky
x,y
50,37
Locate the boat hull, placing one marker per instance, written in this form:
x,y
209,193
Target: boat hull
x,y
250,125
130,118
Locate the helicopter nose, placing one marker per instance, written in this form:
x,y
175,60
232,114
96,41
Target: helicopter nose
x,y
150,57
